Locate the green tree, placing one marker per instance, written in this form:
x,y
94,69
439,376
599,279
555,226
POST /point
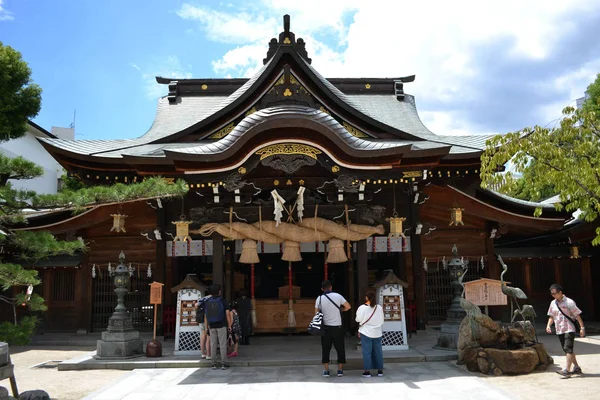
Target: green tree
x,y
565,157
23,245
523,188
20,98
593,93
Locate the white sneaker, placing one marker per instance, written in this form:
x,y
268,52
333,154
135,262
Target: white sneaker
x,y
203,356
208,357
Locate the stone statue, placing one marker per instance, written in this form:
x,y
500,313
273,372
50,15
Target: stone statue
x,y
513,293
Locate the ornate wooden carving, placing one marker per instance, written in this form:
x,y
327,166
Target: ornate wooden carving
x,y
288,163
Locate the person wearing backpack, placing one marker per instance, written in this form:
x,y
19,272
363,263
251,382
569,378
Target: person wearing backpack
x,y
332,304
217,318
200,311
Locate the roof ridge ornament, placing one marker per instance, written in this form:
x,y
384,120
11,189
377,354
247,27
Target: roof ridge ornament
x,y
287,38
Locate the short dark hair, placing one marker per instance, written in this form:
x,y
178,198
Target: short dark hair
x,y
557,288
326,284
215,289
243,293
206,293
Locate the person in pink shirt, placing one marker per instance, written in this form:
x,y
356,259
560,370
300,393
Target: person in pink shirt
x,y
563,312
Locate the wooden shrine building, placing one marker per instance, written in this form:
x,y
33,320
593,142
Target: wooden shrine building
x,y
356,145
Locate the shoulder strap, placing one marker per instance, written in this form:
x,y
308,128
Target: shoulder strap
x,y
566,316
338,307
373,313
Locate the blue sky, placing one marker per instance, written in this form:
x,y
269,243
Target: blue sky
x,y
481,68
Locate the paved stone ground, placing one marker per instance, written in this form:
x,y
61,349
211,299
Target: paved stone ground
x,y
60,385
405,380
431,380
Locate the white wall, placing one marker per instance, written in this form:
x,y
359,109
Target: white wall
x,y
29,148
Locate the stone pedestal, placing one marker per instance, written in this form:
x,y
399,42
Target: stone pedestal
x,y
448,337
119,341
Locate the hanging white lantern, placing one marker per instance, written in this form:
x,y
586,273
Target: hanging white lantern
x,y
94,271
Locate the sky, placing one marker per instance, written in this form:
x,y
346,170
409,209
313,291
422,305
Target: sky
x,y
482,67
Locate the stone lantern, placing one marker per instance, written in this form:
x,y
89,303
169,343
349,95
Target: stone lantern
x,y
448,337
120,340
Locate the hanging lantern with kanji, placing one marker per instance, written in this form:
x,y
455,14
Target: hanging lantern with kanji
x,y
456,216
396,226
118,222
182,228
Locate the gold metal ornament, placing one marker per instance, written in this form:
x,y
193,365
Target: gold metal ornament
x,y
118,222
242,170
287,92
291,148
287,40
354,131
456,216
182,230
222,132
396,227
575,252
335,169
204,87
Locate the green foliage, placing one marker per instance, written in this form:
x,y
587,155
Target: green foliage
x,y
14,275
20,98
35,245
19,334
523,188
70,183
155,187
566,157
593,93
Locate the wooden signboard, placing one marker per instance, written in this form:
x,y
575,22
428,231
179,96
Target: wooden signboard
x,y
156,292
155,299
485,292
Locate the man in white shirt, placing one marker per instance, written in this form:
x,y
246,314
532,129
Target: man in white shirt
x,y
332,305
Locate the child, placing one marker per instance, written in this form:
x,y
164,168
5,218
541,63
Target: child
x,y
236,330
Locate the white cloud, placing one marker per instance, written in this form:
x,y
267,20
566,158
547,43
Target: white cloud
x,y
444,43
134,66
169,67
5,15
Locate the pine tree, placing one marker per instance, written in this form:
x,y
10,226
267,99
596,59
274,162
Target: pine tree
x,y
31,246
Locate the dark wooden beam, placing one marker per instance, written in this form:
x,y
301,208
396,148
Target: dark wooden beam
x,y
217,259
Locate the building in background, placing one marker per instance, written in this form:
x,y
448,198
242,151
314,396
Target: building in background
x,y
30,148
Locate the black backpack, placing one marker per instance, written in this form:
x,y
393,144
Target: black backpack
x,y
215,310
201,310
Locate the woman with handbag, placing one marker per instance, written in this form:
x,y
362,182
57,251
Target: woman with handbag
x,y
370,319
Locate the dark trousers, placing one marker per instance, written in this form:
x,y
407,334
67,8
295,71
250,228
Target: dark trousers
x,y
334,335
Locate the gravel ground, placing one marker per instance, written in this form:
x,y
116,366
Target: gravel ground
x,y
64,385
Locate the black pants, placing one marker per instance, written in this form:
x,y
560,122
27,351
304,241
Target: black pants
x,y
333,335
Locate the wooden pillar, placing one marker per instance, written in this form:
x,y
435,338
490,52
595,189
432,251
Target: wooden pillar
x,y
528,283
159,267
363,271
217,270
228,269
418,273
588,290
85,296
557,273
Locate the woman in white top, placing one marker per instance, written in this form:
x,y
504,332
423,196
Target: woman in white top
x,y
370,319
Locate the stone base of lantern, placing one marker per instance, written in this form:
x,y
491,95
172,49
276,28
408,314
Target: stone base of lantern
x,y
120,341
